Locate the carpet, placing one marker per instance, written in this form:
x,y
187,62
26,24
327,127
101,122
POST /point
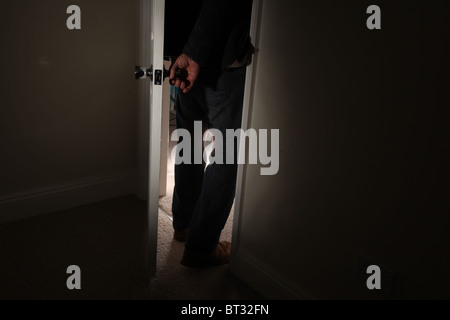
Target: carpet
x,y
176,282
165,203
107,240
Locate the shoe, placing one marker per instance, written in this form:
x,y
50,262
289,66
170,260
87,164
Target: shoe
x,y
180,236
218,257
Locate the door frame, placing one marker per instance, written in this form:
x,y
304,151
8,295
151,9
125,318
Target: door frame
x,y
246,119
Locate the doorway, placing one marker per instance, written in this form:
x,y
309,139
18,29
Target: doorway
x,y
162,125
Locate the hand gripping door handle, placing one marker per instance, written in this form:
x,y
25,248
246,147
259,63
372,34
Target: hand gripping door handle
x,y
141,73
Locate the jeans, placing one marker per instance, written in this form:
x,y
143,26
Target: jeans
x,y
203,198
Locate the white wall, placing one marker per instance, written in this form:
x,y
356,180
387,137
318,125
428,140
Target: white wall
x,y
68,113
360,159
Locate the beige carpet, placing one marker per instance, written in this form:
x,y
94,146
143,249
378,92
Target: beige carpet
x,y
176,282
165,203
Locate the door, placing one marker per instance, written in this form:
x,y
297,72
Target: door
x,y
151,97
68,139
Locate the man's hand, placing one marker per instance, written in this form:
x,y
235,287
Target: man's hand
x,y
189,73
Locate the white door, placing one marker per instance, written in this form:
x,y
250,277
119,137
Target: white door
x,y
68,132
151,96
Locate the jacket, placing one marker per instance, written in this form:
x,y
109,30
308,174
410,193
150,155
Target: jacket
x,y
219,31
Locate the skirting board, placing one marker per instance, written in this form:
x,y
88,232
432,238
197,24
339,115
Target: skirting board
x,y
264,280
65,196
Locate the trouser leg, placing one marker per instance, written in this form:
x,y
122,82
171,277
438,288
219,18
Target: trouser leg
x,y
188,177
223,106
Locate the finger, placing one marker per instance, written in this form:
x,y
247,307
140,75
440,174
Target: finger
x,y
175,83
188,88
178,75
172,74
183,85
191,79
190,84
173,69
178,83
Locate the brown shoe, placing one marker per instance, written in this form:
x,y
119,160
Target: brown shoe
x,y
218,257
180,236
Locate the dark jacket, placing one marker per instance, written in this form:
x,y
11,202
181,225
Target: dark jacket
x,y
219,31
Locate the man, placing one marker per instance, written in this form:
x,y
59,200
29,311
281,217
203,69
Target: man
x,y
212,64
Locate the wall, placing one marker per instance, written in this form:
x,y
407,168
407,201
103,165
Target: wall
x,y
68,104
363,151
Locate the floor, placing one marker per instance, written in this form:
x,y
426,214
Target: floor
x,y
107,240
175,282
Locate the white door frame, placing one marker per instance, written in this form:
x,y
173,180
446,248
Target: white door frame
x,y
248,101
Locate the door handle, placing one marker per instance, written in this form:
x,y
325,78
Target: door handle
x,y
141,73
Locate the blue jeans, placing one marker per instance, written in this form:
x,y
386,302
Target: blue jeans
x,y
203,198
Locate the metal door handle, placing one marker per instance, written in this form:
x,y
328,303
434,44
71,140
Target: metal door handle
x,y
141,73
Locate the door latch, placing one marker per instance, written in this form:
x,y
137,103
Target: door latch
x,y
158,77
